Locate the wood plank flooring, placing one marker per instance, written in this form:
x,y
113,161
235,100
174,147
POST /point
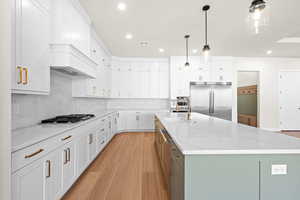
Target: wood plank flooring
x,y
127,169
292,133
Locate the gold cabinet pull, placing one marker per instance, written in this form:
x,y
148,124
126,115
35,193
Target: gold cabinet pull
x,y
163,136
68,137
49,168
35,153
20,75
26,76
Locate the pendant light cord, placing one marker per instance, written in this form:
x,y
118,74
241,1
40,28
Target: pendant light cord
x,y
187,50
205,27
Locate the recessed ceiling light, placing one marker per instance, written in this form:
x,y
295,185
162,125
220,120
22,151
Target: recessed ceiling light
x,y
122,6
128,36
195,51
161,50
269,52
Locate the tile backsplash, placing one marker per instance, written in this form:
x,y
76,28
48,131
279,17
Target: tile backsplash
x,y
138,104
28,110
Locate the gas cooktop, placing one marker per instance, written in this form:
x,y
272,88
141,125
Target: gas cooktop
x,y
68,118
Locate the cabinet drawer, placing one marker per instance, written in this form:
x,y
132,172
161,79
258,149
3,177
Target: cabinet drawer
x,y
26,156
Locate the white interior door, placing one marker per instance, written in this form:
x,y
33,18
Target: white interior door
x,y
289,100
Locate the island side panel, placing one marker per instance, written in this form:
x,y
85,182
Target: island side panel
x,y
221,177
236,177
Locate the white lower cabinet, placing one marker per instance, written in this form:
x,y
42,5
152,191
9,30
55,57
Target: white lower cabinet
x,y
92,145
145,121
51,175
28,183
114,122
68,169
136,121
40,180
82,152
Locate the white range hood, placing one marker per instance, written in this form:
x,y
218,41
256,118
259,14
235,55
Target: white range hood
x,y
70,60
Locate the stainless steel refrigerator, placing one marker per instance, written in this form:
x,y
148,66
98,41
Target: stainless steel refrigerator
x,y
212,98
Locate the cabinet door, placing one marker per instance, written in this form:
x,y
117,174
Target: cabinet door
x,y
164,81
154,76
122,121
289,100
131,121
221,70
68,160
109,128
31,72
82,152
101,138
53,173
146,121
28,183
92,146
115,80
115,124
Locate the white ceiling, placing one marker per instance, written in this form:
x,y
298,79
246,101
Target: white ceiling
x,y
163,23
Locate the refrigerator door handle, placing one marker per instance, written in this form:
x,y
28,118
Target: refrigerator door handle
x,y
212,101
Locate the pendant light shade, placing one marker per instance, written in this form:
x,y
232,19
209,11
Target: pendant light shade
x,y
206,47
187,64
258,15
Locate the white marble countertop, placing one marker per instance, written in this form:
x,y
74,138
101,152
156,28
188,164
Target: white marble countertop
x,y
28,136
211,136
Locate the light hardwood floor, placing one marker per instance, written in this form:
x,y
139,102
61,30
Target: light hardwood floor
x,y
292,133
127,169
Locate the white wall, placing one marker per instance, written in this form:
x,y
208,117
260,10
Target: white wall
x,y
5,119
268,81
247,78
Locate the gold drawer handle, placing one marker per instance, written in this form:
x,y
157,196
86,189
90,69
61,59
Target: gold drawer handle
x,y
35,153
68,137
26,76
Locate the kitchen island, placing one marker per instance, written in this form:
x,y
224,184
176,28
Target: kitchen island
x,y
206,158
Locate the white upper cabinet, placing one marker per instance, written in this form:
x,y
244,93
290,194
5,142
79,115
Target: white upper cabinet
x,y
218,69
222,70
163,81
99,86
140,78
31,66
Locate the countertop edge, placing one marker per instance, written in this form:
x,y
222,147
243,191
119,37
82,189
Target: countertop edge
x,y
63,130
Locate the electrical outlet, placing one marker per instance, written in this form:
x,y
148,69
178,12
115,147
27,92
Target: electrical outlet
x,y
279,169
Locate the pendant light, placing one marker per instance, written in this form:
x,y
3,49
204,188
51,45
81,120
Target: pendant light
x,y
187,64
206,48
257,10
